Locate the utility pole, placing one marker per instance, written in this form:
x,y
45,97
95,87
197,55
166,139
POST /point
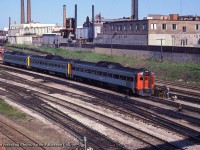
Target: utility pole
x,y
161,49
112,42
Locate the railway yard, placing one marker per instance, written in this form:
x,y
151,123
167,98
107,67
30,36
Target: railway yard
x,y
108,119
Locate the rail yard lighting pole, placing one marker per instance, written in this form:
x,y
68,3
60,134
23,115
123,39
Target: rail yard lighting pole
x,y
112,42
161,49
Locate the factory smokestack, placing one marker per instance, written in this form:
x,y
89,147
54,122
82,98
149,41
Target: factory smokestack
x,y
64,16
75,23
22,12
28,11
134,10
93,34
9,22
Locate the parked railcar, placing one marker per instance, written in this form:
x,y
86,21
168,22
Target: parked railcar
x,y
49,63
16,59
138,81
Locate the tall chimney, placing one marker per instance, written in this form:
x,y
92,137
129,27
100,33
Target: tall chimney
x,y
64,16
75,24
134,10
28,11
22,12
93,34
9,22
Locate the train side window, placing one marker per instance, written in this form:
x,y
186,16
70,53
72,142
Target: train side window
x,y
110,75
81,69
93,72
105,74
85,70
122,77
116,76
99,73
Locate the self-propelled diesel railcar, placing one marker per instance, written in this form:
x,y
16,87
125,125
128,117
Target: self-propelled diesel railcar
x,y
138,81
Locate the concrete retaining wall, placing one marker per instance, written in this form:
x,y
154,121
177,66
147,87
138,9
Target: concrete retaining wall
x,y
77,49
175,57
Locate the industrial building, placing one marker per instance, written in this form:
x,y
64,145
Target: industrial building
x,y
23,33
3,35
166,30
151,32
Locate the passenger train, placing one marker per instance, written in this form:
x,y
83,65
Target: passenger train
x,y
138,81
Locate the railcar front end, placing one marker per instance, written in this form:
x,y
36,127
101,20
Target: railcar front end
x,y
145,83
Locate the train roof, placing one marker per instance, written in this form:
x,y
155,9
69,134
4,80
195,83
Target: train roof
x,y
110,65
51,57
15,53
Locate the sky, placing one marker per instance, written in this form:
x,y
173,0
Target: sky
x,y
51,11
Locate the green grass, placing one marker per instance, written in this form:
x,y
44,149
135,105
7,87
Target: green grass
x,y
172,71
10,111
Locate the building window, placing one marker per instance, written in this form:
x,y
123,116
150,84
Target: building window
x,y
124,27
137,27
153,26
131,27
184,29
116,28
144,27
164,26
112,27
174,26
120,28
197,26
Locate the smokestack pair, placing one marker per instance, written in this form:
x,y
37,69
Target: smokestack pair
x,y
28,12
134,10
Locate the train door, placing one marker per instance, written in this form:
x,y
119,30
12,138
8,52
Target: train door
x,y
28,62
139,82
153,81
69,70
147,81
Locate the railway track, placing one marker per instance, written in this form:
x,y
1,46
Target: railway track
x,y
150,140
51,90
24,89
105,120
129,105
95,139
158,110
17,138
180,88
102,96
175,104
183,85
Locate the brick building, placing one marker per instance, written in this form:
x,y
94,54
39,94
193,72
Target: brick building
x,y
172,30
